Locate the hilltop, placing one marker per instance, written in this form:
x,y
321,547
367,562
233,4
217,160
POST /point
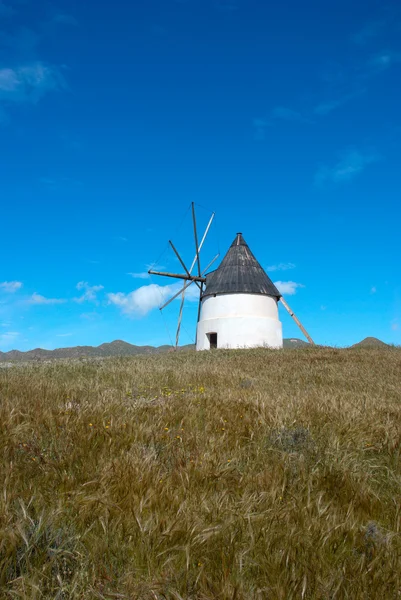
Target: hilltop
x,y
116,348
371,342
294,343
121,348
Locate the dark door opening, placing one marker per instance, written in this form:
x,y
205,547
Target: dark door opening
x,y
213,340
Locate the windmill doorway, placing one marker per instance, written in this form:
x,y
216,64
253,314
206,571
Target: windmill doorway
x,y
212,340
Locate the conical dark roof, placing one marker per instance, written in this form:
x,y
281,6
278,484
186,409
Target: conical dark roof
x,y
239,273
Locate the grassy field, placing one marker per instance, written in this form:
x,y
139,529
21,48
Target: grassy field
x,y
224,475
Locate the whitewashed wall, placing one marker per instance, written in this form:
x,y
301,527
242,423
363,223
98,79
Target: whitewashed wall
x,y
240,321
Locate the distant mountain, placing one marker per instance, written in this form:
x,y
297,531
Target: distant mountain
x,y
121,348
294,343
371,342
116,348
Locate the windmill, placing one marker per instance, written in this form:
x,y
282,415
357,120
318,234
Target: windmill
x,y
238,302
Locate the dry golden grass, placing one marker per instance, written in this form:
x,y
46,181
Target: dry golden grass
x,y
225,475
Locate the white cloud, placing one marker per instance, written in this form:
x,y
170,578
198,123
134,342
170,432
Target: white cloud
x,y
38,299
8,338
373,290
89,316
10,286
279,113
280,267
384,60
351,164
368,31
148,297
395,326
288,288
29,83
324,108
287,114
48,182
64,334
90,294
143,275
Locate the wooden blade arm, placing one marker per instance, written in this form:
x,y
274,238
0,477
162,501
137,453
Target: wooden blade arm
x,y
196,239
202,242
209,265
181,261
176,295
297,321
178,276
182,290
177,335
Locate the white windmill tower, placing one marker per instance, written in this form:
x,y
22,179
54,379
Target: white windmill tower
x,y
238,302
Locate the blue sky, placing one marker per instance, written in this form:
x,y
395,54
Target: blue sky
x,y
283,118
